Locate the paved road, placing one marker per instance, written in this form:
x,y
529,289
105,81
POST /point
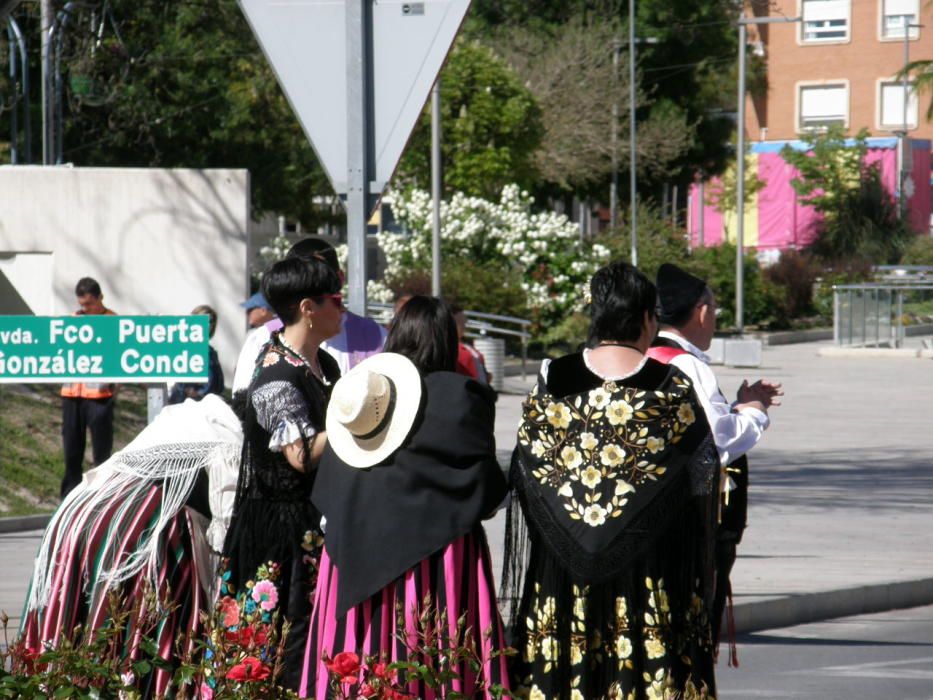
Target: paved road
x,y
871,657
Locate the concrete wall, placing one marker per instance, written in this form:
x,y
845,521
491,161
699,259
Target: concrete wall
x,y
158,241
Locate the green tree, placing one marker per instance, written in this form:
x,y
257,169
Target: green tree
x,y
491,128
860,217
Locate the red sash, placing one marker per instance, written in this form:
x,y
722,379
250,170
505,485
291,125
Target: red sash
x,y
665,354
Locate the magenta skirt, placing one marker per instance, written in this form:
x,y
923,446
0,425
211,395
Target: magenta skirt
x,y
458,580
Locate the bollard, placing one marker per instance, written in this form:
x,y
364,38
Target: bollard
x,y
493,350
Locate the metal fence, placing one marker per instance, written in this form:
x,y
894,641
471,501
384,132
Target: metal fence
x,y
479,325
881,314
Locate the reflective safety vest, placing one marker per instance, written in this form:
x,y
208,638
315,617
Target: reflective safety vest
x,y
88,390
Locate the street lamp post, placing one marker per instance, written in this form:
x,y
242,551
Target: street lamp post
x,y
740,165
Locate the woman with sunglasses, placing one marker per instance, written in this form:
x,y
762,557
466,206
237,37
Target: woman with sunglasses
x,y
274,539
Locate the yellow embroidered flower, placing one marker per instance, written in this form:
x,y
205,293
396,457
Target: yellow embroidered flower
x,y
576,655
619,412
558,415
685,414
536,694
623,487
588,441
571,457
655,445
549,648
655,648
623,647
611,455
599,397
591,477
595,515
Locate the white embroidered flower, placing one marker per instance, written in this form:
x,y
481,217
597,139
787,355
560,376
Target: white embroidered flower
x,y
611,455
685,414
537,449
549,648
595,515
623,647
558,415
571,457
591,477
619,412
623,487
566,490
621,608
588,441
576,657
576,694
599,397
655,445
655,648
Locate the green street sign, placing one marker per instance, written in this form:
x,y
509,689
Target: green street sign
x,y
136,349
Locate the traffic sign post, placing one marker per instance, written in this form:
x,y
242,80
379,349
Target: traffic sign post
x,y
103,349
358,115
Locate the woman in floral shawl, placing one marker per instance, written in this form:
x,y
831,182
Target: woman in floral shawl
x,y
615,473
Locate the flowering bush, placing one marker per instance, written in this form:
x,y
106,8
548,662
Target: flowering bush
x,y
542,251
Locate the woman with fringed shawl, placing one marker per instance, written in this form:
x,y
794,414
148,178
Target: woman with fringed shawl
x,y
615,480
142,532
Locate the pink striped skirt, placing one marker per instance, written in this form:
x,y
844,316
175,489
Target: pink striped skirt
x,y
456,580
94,538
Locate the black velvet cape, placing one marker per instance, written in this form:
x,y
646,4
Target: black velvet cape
x,y
438,486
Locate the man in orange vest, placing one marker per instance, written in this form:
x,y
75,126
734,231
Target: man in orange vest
x,y
86,406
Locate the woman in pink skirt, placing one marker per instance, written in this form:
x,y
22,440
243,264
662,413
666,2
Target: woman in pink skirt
x,y
408,475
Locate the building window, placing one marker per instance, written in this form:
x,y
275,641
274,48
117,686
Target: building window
x,y
825,20
892,106
896,15
823,105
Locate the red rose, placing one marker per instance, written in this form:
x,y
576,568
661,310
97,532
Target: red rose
x,y
381,670
346,665
367,691
252,669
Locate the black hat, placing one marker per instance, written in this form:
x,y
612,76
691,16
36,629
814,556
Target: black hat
x,y
678,292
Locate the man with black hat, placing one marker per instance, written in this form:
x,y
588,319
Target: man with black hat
x,y
687,317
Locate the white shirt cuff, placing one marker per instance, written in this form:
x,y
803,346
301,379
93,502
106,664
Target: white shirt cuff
x,y
759,417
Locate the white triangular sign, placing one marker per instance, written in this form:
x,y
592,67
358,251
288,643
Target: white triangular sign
x,y
305,42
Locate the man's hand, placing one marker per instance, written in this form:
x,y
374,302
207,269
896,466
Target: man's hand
x,y
764,392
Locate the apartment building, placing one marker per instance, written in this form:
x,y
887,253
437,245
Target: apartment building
x,y
838,66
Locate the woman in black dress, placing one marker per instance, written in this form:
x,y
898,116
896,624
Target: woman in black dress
x,y
274,540
616,475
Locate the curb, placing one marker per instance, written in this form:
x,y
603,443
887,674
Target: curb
x,y
815,607
24,523
890,353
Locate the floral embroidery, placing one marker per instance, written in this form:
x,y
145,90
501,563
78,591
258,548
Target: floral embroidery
x,y
597,448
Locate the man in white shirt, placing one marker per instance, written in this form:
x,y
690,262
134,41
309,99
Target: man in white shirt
x,y
687,316
359,337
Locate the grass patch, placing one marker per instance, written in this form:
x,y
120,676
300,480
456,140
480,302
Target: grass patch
x,y
31,456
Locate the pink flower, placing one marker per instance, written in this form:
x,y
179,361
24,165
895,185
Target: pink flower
x,y
230,610
207,693
265,594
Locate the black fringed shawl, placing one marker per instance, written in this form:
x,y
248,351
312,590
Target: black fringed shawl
x,y
438,486
603,468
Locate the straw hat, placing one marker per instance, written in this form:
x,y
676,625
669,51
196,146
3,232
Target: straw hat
x,y
372,409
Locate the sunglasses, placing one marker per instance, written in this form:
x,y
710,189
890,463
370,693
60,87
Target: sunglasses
x,y
337,299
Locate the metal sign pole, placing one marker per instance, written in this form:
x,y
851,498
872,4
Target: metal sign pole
x,y
436,176
359,29
633,154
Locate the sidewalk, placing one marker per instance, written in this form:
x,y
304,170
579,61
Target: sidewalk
x,y
841,510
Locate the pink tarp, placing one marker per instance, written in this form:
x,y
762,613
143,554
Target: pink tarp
x,y
785,223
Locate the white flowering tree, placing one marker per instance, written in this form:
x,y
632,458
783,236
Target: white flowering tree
x,y
542,251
